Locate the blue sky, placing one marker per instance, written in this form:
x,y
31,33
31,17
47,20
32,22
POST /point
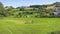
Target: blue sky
x,y
16,3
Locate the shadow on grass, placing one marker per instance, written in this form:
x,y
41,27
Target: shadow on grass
x,y
55,32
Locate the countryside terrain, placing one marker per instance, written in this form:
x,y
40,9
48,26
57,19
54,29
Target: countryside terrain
x,y
29,25
34,19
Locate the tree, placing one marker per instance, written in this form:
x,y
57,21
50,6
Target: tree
x,y
2,10
1,7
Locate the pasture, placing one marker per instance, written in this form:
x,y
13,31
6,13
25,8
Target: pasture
x,y
29,25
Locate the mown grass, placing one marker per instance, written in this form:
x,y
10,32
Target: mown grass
x,y
38,26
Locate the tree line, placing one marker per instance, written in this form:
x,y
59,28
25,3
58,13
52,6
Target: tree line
x,y
31,11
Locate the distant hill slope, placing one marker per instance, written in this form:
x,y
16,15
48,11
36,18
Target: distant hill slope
x,y
57,4
50,6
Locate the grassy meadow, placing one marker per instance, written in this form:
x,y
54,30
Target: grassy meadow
x,y
29,25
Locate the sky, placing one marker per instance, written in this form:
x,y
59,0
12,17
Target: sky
x,y
18,3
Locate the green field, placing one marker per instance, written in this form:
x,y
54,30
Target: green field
x,y
29,25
